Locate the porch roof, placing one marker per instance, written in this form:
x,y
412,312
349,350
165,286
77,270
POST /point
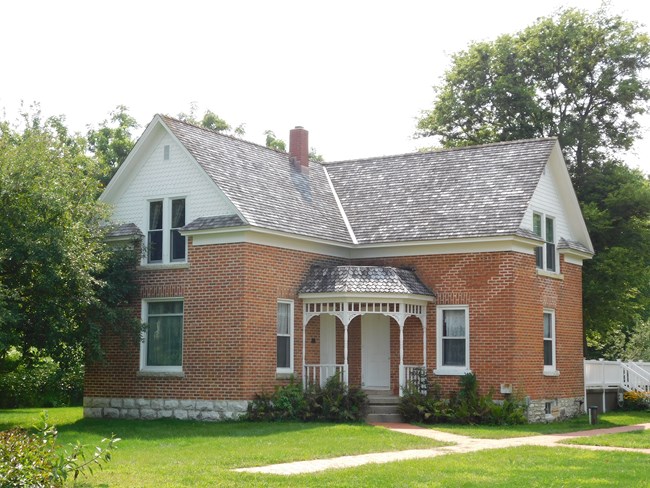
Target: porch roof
x,y
363,279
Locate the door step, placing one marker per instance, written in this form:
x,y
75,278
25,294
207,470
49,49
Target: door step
x,y
382,406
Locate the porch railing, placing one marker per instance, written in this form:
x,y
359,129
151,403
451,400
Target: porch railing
x,y
632,375
318,374
411,373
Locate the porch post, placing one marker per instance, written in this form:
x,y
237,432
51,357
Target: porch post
x,y
402,375
424,340
345,353
304,330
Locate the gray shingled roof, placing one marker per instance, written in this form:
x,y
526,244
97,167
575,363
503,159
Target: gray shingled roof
x,y
478,191
264,185
124,230
577,246
363,279
214,222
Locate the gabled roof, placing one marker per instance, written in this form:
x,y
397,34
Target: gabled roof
x,y
477,191
265,186
363,279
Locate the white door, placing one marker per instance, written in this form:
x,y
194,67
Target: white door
x,y
327,346
375,351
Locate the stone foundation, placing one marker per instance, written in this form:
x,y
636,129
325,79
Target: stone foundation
x,y
560,408
150,409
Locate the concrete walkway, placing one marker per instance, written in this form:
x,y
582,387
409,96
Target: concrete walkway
x,y
462,444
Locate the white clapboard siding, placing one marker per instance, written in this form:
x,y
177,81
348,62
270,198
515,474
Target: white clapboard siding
x,y
179,176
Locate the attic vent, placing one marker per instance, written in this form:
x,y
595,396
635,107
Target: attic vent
x,y
166,153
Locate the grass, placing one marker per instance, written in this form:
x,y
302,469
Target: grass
x,y
610,419
175,454
639,439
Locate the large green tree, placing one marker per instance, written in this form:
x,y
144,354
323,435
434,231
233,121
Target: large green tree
x,y
59,281
580,77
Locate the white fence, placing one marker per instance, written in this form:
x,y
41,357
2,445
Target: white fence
x,y
632,375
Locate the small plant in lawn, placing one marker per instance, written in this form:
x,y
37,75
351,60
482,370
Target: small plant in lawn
x,y
33,459
425,405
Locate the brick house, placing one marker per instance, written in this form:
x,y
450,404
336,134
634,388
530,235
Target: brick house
x,y
260,265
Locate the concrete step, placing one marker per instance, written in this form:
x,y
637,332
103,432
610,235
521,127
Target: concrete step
x,y
382,409
383,400
384,417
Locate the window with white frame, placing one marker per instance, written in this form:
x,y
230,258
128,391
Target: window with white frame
x,y
549,341
162,345
164,241
452,339
285,336
544,227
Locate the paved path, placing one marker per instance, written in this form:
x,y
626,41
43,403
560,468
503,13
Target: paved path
x,y
462,444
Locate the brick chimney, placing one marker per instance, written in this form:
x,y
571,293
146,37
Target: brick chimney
x,y
299,147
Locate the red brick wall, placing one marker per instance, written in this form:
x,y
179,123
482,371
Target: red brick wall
x,y
231,291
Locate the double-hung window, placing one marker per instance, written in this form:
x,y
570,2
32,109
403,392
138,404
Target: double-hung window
x,y
162,347
284,336
452,340
544,227
549,341
164,241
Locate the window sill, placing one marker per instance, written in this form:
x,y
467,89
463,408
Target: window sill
x,y
161,266
444,371
550,274
283,375
161,374
553,372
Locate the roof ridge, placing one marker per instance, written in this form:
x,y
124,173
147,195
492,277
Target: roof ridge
x,y
442,150
229,136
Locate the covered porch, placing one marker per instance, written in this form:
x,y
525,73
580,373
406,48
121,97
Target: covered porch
x,y
368,324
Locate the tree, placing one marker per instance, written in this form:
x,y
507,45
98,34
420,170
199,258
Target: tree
x,y
273,142
211,121
579,77
112,142
58,277
574,75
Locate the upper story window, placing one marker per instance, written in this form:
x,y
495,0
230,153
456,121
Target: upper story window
x,y
164,240
544,227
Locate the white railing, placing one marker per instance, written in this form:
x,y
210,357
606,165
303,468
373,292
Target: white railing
x,y
409,373
318,374
633,375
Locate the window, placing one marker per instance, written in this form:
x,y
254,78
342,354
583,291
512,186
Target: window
x,y
162,347
285,336
544,227
166,152
164,240
452,340
549,341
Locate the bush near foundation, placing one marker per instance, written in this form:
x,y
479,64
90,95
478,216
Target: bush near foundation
x,y
422,402
636,400
334,402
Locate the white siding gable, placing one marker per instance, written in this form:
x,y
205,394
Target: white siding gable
x,y
155,178
554,197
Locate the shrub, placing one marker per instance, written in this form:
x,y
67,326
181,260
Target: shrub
x,y
334,402
636,400
34,459
465,407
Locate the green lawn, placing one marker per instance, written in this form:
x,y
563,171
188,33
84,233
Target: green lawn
x,y
175,454
639,439
611,419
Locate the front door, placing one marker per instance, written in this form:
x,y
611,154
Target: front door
x,y
327,346
375,351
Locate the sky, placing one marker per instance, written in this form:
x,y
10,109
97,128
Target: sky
x,y
356,74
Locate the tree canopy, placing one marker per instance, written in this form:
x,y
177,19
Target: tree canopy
x,y
580,77
57,286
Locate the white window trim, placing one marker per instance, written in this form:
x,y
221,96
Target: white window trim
x,y
166,231
288,370
551,370
442,370
545,271
143,342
